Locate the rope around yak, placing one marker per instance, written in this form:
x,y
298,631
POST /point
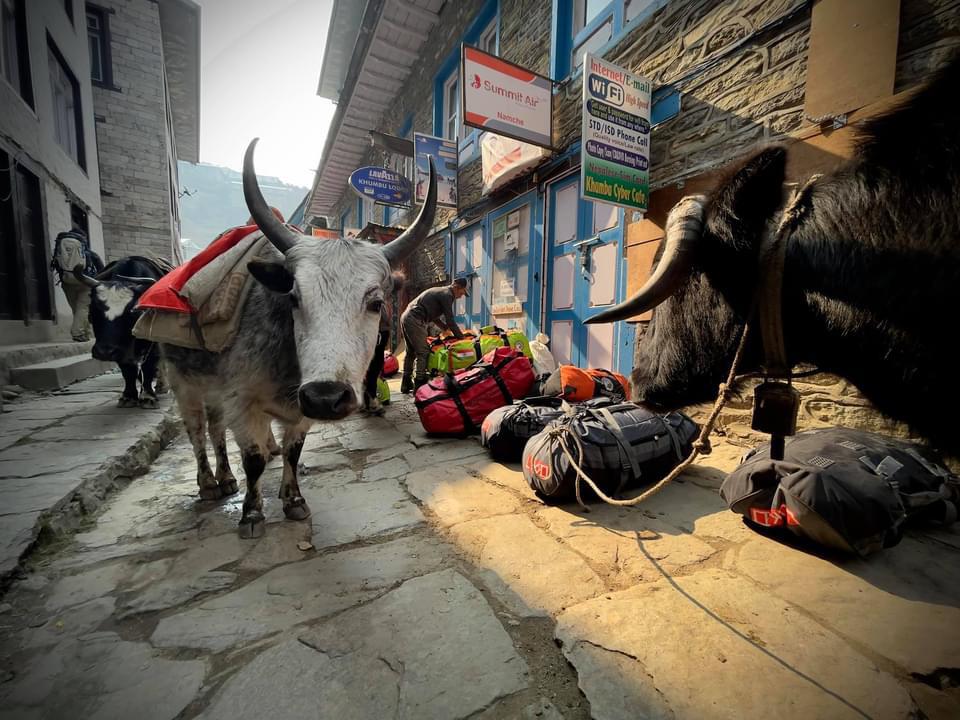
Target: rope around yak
x,y
562,436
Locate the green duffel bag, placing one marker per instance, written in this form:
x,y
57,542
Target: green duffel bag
x,y
383,391
492,336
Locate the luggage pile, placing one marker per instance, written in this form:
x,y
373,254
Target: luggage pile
x,y
449,354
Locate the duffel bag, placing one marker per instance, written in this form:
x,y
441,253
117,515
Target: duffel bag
x,y
576,385
845,489
383,391
391,366
456,404
491,336
506,430
618,445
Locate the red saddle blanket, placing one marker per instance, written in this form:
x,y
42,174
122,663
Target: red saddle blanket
x,y
165,293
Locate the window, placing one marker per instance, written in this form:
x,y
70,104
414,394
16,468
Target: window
x,y
67,113
68,9
588,25
488,38
98,37
13,48
451,107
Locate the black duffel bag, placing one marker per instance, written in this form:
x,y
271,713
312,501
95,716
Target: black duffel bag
x,y
845,489
505,431
618,445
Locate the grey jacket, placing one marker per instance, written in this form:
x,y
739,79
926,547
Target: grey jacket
x,y
433,304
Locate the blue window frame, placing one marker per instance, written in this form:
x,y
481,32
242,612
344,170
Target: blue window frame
x,y
447,121
591,25
345,220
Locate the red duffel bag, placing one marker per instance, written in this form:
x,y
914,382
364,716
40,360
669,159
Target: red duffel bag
x,y
457,404
391,366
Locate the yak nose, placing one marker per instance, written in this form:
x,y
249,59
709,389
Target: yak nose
x,y
101,352
327,400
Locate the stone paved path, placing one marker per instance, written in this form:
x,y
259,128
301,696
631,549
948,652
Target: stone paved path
x,y
68,448
430,583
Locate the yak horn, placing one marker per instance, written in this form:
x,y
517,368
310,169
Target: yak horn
x,y
279,234
684,227
411,238
85,279
135,280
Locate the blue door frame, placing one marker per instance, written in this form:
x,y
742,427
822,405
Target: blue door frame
x,y
472,311
576,279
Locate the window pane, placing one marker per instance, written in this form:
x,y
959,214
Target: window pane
x,y
596,40
604,216
8,44
634,8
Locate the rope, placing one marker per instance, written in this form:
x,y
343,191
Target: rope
x,y
562,435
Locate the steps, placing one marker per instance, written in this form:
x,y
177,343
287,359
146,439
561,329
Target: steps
x,y
54,374
48,366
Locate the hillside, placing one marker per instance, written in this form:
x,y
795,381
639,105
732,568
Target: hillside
x,y
215,202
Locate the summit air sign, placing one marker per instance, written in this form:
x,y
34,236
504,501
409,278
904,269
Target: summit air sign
x,y
505,98
615,151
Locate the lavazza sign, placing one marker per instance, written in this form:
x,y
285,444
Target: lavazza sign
x,y
615,150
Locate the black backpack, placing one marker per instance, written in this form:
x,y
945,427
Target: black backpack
x,y
845,489
623,445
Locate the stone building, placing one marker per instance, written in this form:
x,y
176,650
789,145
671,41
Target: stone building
x,y
49,174
726,75
145,68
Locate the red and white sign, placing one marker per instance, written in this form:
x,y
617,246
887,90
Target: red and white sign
x,y
506,98
502,159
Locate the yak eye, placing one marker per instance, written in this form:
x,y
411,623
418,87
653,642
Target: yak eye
x,y
375,306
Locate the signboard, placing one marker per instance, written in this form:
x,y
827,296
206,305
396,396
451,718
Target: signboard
x,y
381,185
503,159
324,233
505,98
615,150
444,160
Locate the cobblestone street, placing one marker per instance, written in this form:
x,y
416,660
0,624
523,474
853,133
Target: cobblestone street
x,y
430,583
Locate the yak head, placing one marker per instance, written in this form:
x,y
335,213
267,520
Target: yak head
x,y
113,313
703,284
336,290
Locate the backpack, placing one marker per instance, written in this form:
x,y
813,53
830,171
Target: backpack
x,y
845,489
70,249
574,384
506,430
623,445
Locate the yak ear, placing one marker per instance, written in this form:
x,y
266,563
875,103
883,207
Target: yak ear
x,y
274,276
744,202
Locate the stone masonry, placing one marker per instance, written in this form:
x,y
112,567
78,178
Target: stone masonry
x,y
430,583
135,137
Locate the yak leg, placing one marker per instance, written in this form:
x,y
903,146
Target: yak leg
x,y
294,506
218,436
148,396
252,438
130,394
190,402
272,447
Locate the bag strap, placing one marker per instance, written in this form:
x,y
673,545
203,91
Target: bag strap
x,y
453,389
606,417
494,369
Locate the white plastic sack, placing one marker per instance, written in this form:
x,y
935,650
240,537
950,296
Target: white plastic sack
x,y
543,361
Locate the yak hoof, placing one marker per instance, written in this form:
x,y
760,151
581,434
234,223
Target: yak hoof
x,y
296,509
228,486
274,449
211,492
149,402
127,402
252,525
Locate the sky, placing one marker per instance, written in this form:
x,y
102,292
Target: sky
x,y
260,66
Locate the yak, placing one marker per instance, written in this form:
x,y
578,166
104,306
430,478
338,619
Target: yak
x,y
114,294
307,331
870,276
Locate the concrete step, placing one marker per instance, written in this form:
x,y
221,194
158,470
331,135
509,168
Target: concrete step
x,y
15,356
58,373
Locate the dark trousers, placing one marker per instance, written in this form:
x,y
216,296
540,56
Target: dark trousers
x,y
376,365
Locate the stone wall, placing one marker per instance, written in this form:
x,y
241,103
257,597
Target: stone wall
x,y
133,136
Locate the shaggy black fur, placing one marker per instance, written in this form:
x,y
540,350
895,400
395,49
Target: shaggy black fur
x,y
872,275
